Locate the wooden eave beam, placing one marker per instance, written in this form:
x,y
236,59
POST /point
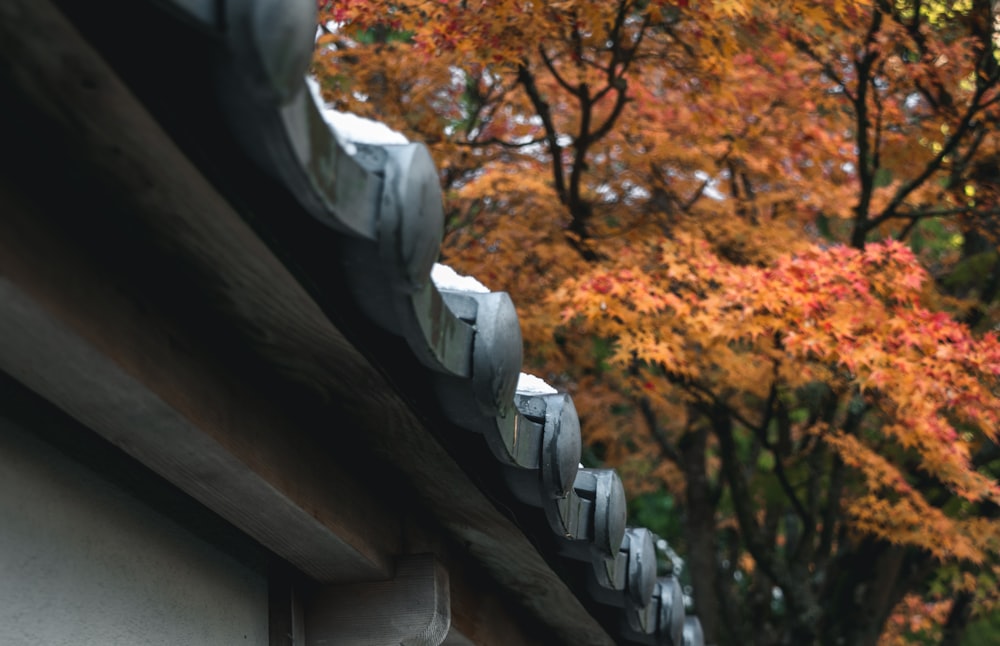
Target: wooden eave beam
x,y
97,199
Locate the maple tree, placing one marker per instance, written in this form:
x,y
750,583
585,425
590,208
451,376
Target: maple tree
x,y
757,243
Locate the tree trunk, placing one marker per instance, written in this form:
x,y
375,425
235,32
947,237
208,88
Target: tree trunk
x,y
867,584
958,619
699,533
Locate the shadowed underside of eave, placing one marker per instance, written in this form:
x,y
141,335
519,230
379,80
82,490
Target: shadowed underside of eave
x,y
140,259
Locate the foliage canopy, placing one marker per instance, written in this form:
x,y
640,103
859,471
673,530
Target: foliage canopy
x,y
756,242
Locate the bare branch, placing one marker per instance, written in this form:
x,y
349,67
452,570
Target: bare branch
x,y
527,80
656,432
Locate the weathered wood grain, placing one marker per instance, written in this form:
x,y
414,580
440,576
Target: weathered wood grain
x,y
151,367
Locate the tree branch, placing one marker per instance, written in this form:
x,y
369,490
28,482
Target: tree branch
x,y
932,166
527,80
666,448
866,163
740,492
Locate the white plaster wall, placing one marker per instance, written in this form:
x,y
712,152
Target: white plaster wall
x,y
82,563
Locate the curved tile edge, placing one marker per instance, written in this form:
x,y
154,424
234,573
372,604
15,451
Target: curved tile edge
x,y
385,202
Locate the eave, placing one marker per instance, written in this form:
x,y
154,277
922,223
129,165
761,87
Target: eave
x,y
168,252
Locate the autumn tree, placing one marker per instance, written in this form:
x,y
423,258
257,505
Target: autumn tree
x,y
757,243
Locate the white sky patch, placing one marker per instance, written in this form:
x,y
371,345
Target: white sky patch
x,y
444,277
712,187
634,192
605,191
351,129
532,385
332,26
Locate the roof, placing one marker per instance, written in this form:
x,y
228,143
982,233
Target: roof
x,y
319,254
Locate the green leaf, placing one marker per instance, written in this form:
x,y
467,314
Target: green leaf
x,y
882,178
656,511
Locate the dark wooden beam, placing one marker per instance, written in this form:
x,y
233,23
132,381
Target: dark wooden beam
x,y
196,429
87,330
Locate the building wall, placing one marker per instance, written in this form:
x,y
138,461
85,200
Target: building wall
x,y
84,563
